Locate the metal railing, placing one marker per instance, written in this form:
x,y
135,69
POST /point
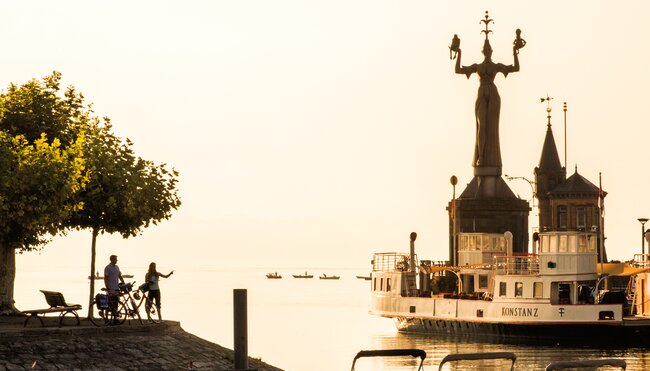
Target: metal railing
x,y
391,262
641,261
516,265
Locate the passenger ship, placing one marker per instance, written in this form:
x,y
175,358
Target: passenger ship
x,y
557,292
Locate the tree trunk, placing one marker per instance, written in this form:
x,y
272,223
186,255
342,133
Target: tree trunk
x,y
7,278
93,251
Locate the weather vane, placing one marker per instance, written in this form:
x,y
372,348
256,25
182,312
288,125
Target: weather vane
x,y
548,107
487,21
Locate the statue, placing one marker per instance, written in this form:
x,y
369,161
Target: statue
x,y
487,152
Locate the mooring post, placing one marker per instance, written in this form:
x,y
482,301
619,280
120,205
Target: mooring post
x,y
241,329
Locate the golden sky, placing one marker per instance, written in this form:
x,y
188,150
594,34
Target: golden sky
x,y
314,133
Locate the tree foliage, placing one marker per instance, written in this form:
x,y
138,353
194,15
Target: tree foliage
x,y
39,106
125,193
38,182
63,168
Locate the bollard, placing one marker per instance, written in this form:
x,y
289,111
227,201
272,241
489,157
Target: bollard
x,y
240,329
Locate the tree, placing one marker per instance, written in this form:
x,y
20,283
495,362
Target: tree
x,y
125,193
41,169
62,168
37,183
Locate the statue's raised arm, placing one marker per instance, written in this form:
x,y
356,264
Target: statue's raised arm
x,y
516,45
457,54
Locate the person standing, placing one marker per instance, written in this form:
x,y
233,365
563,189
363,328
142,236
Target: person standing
x,y
112,279
152,278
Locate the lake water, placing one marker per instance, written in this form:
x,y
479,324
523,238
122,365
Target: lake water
x,y
303,324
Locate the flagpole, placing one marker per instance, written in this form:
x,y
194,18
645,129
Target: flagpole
x,y
601,196
565,164
453,181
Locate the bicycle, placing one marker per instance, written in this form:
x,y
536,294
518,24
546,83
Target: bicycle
x,y
126,308
150,308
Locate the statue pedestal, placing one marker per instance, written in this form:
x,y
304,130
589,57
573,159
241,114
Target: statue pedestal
x,y
494,171
488,205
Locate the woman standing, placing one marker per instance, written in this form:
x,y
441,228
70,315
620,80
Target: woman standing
x,y
152,278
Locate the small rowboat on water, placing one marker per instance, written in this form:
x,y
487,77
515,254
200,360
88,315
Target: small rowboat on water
x,y
273,276
326,277
306,275
367,278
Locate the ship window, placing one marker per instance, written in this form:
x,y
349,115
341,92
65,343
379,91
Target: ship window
x,y
561,217
572,243
581,218
494,244
374,284
564,293
381,284
463,242
538,289
519,289
502,289
387,284
563,244
501,244
472,243
582,243
605,315
546,244
482,281
592,244
484,243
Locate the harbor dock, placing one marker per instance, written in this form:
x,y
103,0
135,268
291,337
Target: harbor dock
x,y
164,346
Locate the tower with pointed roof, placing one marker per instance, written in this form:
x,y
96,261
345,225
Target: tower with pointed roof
x,y
548,175
565,204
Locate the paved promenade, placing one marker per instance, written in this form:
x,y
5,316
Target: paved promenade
x,y
164,346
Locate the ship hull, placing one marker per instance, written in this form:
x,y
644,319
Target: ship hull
x,y
551,333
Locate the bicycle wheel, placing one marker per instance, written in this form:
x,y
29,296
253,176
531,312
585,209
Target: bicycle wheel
x,y
122,313
104,317
152,311
134,311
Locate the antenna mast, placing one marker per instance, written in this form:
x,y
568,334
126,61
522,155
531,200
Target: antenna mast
x,y
565,164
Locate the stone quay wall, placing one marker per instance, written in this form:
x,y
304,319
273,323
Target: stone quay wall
x,y
131,346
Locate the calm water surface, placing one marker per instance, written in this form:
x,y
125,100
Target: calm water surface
x,y
303,324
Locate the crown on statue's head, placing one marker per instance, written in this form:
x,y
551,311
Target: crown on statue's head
x,y
487,21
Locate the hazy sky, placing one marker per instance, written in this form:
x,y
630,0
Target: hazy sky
x,y
314,133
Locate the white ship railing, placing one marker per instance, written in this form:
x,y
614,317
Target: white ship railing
x,y
391,262
516,265
641,261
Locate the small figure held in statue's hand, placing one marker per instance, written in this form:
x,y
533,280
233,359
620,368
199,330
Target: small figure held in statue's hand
x,y
519,42
454,47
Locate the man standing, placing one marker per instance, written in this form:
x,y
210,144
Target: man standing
x,y
112,279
